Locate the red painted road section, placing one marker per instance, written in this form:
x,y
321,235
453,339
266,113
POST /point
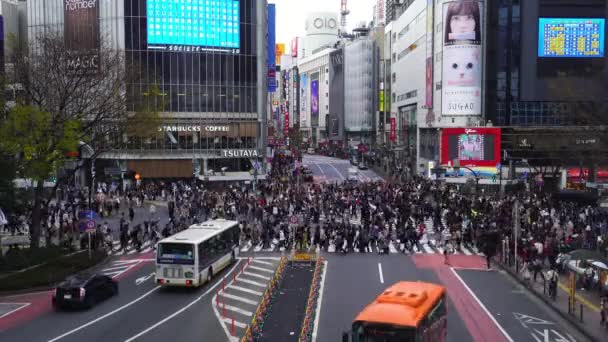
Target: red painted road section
x,y
480,325
41,301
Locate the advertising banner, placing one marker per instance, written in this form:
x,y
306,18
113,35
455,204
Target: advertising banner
x,y
429,83
303,98
286,124
381,101
81,34
336,95
279,51
462,57
314,99
272,77
294,47
393,133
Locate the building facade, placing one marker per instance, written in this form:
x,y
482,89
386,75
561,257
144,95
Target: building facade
x,y
361,79
313,96
213,80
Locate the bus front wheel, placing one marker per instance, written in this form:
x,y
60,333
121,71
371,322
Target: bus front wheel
x,y
209,274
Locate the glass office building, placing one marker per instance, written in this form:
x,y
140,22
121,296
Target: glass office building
x,y
207,58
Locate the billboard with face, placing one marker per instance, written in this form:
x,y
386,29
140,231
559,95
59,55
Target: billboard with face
x,y
462,58
81,34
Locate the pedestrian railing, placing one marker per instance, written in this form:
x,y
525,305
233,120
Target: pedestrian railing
x,y
254,329
311,305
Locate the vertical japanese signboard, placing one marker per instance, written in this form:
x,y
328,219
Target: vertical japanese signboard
x,y
272,77
462,57
393,133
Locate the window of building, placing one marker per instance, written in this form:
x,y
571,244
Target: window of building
x,y
394,77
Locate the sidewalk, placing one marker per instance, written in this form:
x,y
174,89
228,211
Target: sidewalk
x,y
588,323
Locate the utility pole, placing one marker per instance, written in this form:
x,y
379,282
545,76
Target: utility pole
x,y
515,231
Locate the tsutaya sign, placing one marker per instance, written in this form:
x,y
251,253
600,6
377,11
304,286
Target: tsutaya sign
x,y
239,153
190,128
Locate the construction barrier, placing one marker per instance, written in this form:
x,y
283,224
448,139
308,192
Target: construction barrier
x,y
254,329
311,305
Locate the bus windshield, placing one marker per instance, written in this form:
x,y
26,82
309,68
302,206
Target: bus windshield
x,y
375,332
175,253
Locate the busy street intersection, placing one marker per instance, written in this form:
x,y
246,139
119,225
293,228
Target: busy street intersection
x,y
483,304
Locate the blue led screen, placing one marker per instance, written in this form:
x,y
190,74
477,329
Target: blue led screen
x,y
200,23
571,37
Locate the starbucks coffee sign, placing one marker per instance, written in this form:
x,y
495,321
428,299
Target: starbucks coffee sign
x,y
193,128
239,153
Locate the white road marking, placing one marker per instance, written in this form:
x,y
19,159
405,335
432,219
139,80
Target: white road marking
x,y
261,269
319,302
380,272
154,326
246,290
466,251
251,282
105,316
262,262
482,306
428,248
392,248
113,273
238,298
23,305
146,250
323,172
256,275
113,268
239,310
236,323
338,172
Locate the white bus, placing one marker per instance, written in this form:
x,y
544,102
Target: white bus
x,y
193,256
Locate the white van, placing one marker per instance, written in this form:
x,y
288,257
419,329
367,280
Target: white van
x,y
353,174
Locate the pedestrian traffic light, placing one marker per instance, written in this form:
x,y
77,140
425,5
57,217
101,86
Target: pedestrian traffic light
x,y
137,176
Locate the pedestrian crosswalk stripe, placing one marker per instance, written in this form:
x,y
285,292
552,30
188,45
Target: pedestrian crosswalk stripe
x,y
239,310
228,320
258,247
237,298
466,251
252,282
428,248
246,290
262,262
261,269
256,275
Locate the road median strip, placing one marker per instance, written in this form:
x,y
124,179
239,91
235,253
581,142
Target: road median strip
x,y
254,329
311,306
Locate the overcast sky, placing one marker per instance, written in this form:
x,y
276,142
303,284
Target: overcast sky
x,y
291,14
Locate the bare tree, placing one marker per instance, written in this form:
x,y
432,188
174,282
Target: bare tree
x,y
85,99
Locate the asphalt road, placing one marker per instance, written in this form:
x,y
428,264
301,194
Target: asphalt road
x,y
327,169
143,312
499,310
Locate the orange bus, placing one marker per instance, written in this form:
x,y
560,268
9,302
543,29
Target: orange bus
x,y
405,312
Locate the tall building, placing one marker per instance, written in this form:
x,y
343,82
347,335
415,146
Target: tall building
x,y
213,76
360,78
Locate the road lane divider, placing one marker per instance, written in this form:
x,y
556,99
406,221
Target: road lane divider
x,y
380,273
308,325
253,330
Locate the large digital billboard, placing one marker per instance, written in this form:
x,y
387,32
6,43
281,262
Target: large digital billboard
x,y
462,58
571,37
198,24
479,147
